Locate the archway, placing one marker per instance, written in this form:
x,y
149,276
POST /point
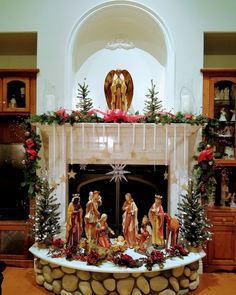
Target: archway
x,y
120,22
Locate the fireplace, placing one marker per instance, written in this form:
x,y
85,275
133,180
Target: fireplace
x,y
137,145
142,181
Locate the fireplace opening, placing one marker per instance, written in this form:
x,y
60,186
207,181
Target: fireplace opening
x,y
142,181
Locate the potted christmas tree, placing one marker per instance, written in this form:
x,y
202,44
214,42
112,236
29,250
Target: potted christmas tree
x,y
152,104
194,225
45,221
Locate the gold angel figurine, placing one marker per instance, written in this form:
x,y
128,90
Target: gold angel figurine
x,y
118,88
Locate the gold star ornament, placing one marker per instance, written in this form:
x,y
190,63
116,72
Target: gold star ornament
x,y
71,174
165,175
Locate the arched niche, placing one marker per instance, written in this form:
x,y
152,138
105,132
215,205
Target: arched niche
x,y
120,23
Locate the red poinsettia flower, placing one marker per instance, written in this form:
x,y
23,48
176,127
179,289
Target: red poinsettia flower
x,y
32,154
58,243
93,258
30,143
188,116
206,155
177,250
62,113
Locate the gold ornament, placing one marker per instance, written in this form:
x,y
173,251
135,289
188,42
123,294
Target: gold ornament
x,y
63,178
71,174
165,175
54,184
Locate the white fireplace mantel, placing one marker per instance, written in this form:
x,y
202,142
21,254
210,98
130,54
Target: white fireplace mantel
x,y
172,145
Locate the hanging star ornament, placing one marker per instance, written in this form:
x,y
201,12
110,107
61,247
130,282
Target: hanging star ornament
x,y
165,175
54,184
82,166
63,178
118,172
71,174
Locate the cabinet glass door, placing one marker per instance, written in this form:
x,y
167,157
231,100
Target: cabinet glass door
x,y
224,111
16,95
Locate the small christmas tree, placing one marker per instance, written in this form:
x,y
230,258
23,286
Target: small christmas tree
x,y
85,103
152,104
194,225
45,222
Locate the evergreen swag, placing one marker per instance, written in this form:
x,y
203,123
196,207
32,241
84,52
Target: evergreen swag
x,y
152,104
32,146
204,169
85,103
45,221
194,225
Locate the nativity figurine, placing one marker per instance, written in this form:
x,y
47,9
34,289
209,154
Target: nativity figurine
x,y
130,221
118,88
103,231
74,222
92,215
145,240
156,217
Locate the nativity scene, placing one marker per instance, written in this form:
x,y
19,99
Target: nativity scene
x,y
143,243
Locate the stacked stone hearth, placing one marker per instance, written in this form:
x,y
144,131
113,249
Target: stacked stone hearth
x,y
68,281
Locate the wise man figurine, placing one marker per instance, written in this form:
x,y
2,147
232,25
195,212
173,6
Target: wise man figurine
x,y
156,217
74,222
92,215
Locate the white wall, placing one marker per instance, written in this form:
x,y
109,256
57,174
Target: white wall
x,y
54,21
95,69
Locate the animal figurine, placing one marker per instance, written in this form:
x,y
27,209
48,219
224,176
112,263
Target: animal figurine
x,y
172,230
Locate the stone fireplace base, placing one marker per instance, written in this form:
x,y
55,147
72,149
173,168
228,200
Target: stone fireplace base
x,y
179,276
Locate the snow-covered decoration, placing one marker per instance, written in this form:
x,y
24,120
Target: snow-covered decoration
x,y
118,172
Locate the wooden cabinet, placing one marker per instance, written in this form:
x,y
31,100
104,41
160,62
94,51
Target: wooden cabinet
x,y
17,91
17,100
219,101
15,242
221,250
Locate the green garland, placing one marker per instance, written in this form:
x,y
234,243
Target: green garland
x,y
62,116
32,146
